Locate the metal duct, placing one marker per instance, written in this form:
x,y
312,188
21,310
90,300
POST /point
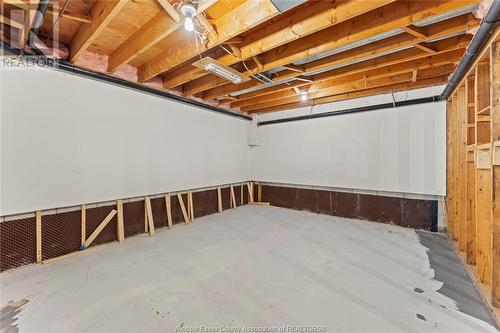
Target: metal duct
x,y
37,22
488,25
284,5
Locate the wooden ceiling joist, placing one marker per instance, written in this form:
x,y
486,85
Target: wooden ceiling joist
x,y
358,94
353,86
436,31
357,74
102,13
346,35
70,16
240,19
170,10
291,28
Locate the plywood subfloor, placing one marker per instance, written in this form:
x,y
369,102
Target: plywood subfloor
x,y
250,266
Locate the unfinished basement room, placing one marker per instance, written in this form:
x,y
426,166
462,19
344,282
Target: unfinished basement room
x,y
249,166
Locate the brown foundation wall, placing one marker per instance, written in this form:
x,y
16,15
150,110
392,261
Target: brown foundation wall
x,y
412,213
61,232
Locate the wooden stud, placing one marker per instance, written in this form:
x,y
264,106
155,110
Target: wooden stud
x,y
495,168
168,205
190,206
219,199
120,231
149,216
233,197
471,177
84,224
462,167
250,192
99,228
38,222
259,192
241,194
183,208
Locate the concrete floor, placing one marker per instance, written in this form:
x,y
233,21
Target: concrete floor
x,y
252,267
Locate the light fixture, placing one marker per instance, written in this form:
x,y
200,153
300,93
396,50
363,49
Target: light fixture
x,y
188,9
304,96
188,24
215,67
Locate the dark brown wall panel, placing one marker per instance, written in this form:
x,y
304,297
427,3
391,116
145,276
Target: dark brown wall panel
x,y
413,213
205,203
226,196
133,218
61,234
159,210
17,243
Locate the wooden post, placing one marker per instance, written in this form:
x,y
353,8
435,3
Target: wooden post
x,y
471,171
233,197
450,157
120,231
250,192
183,208
38,227
98,230
241,195
84,224
219,199
190,206
495,170
483,176
168,205
149,216
259,193
462,167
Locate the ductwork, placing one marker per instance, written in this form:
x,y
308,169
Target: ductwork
x,y
37,22
488,25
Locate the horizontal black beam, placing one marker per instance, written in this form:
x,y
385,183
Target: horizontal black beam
x,y
355,110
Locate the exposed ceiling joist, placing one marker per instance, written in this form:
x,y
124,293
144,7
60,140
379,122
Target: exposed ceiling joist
x,y
102,13
240,19
170,10
325,14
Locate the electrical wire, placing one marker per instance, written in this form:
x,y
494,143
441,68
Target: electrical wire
x,y
57,20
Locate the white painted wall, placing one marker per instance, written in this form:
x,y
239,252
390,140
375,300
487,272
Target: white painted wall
x,y
397,150
67,140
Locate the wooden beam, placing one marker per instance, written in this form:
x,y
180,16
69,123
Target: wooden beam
x,y
183,208
190,206
38,230
385,46
168,206
219,200
149,216
495,136
102,13
483,179
83,224
461,167
71,16
342,85
300,24
471,174
395,63
233,198
259,192
98,230
240,19
426,47
250,192
415,31
359,93
170,10
12,23
120,231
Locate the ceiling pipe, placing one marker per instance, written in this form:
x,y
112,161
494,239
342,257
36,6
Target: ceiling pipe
x,y
37,22
488,25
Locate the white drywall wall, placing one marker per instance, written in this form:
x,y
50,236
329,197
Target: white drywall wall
x,y
67,140
397,150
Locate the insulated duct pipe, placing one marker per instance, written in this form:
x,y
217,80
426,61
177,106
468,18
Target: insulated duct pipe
x,y
37,22
488,25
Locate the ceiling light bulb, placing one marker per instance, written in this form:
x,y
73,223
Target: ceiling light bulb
x,y
188,9
303,96
188,24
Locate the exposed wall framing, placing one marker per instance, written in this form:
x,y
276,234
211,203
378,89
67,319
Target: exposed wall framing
x,y
473,171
